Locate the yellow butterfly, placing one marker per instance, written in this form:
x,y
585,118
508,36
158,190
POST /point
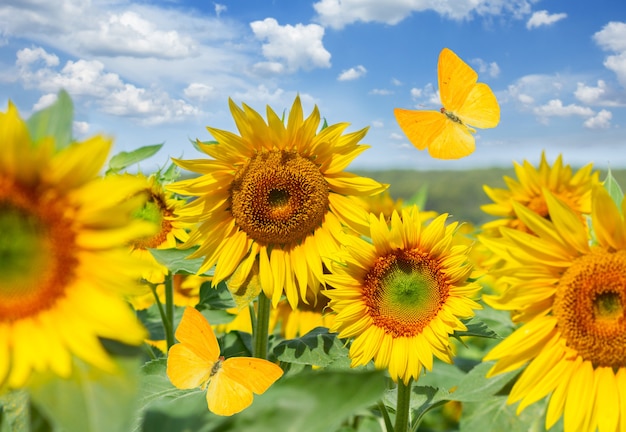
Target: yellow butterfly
x,y
196,362
447,133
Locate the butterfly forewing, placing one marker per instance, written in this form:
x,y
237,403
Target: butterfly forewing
x,y
185,368
195,332
456,80
481,108
255,374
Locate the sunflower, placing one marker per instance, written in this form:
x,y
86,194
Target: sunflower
x,y
65,263
570,294
528,190
295,322
401,296
159,208
276,196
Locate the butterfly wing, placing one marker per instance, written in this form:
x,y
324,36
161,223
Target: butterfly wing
x,y
255,374
481,108
185,368
226,396
420,127
195,332
189,362
456,80
455,141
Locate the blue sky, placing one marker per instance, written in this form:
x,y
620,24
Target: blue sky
x,y
150,72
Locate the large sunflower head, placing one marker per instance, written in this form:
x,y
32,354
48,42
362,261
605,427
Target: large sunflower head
x,y
569,291
275,196
528,190
65,266
401,296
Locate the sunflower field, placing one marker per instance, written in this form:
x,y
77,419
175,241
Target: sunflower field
x,y
266,288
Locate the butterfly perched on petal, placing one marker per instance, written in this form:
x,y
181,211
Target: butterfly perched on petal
x,y
196,362
466,104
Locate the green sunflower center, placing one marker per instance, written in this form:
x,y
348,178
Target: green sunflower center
x,y
156,211
37,259
404,291
279,197
590,305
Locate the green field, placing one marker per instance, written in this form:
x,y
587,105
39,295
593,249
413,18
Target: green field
x,y
459,193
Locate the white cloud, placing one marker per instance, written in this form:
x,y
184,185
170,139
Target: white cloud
x,y
381,92
602,120
492,69
352,73
219,8
45,101
590,95
612,37
525,99
128,34
396,82
80,128
555,108
416,93
111,94
543,18
397,136
199,91
339,13
378,124
299,46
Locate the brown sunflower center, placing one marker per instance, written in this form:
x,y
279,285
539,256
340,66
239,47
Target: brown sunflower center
x,y
404,291
37,251
155,210
279,197
590,305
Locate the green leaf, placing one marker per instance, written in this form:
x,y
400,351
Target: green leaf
x,y
614,189
177,262
475,386
318,347
477,328
124,159
317,401
90,400
493,414
419,198
215,298
14,412
55,121
169,174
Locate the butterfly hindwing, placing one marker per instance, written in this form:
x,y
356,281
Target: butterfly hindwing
x,y
456,80
226,396
420,127
454,142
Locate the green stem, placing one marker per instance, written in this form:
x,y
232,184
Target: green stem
x,y
261,330
168,322
383,410
403,406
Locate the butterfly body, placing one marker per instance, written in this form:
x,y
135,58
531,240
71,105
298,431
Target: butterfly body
x,y
196,362
447,133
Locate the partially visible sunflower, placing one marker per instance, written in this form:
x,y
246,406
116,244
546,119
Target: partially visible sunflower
x,y
186,290
275,195
570,295
295,322
64,234
401,296
528,190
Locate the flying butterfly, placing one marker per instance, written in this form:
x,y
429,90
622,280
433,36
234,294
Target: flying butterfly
x,y
196,362
466,104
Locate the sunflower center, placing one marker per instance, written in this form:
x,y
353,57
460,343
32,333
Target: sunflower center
x,y
156,211
279,197
404,291
37,246
590,305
